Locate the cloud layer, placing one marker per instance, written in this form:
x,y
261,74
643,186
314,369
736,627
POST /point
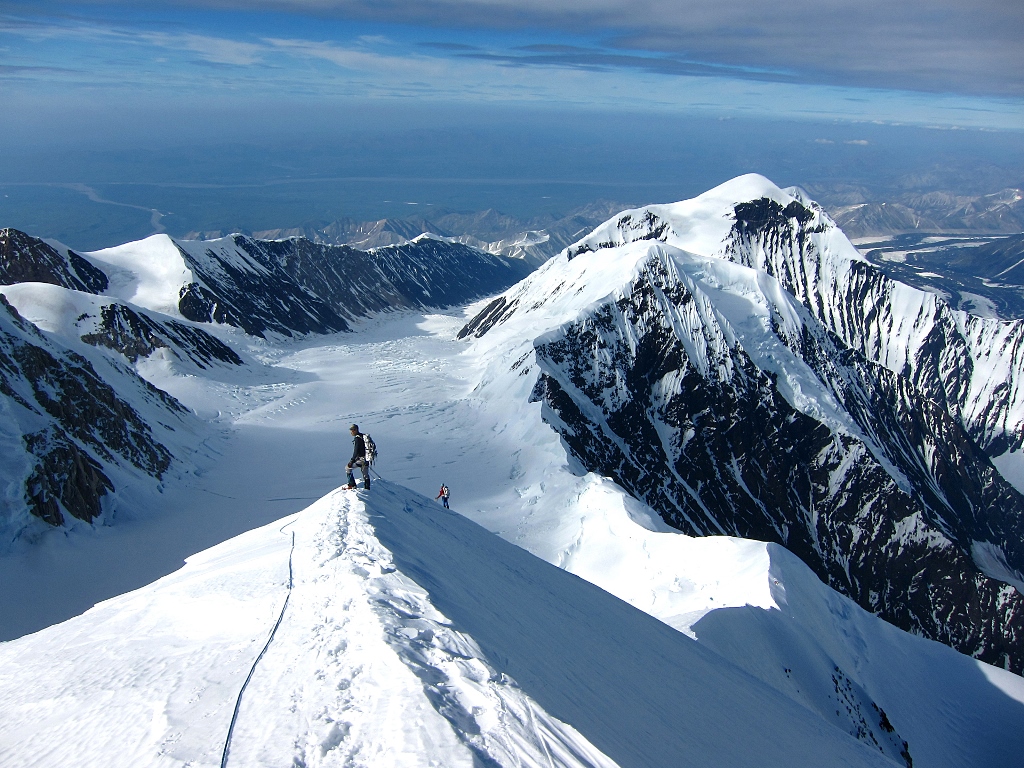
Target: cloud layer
x,y
948,46
926,63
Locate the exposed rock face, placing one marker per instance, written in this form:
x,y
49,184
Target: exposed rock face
x,y
944,353
75,426
298,287
840,415
25,259
65,478
436,273
136,335
237,289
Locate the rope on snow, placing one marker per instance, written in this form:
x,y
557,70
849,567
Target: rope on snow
x,y
238,701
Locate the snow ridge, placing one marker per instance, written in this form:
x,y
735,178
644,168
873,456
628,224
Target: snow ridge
x,y
412,637
715,383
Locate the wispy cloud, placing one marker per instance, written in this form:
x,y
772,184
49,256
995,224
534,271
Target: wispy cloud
x,y
647,56
930,45
216,50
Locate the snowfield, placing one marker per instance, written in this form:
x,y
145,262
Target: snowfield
x,y
408,636
414,637
549,619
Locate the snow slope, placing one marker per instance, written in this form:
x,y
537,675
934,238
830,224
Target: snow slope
x,y
413,384
405,635
448,411
149,273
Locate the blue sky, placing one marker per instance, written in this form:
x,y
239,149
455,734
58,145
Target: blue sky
x,y
924,62
610,95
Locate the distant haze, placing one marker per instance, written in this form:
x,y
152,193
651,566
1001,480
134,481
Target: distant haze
x,y
401,163
121,119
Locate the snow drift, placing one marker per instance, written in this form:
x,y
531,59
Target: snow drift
x,y
403,634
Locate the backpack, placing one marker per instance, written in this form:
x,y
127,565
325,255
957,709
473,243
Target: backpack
x,y
371,449
444,491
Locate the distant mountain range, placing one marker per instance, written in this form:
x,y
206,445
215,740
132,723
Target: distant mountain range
x,y
858,211
532,240
861,215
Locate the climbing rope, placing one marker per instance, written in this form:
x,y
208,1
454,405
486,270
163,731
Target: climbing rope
x,y
238,701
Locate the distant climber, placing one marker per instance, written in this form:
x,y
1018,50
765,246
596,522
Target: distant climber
x,y
359,459
443,496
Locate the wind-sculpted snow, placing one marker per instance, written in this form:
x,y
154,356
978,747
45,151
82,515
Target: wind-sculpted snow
x,y
717,390
400,634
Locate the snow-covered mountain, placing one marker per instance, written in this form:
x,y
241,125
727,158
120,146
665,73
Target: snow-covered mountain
x,y
734,362
671,353
74,427
72,417
294,286
379,629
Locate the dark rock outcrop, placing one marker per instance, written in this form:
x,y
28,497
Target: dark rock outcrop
x,y
136,335
26,259
298,287
75,425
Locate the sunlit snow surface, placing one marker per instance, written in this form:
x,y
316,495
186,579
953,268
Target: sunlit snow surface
x,y
411,637
149,273
365,667
393,599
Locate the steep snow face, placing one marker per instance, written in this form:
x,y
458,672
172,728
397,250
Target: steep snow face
x,y
972,365
384,631
711,388
150,273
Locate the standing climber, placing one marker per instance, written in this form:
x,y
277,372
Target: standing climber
x,y
359,459
443,495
